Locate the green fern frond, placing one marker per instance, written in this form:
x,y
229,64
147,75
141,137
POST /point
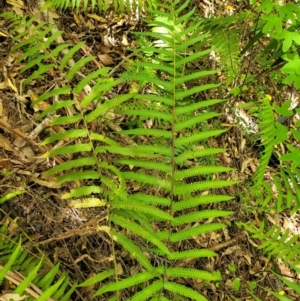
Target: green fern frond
x,y
82,191
193,273
142,207
195,231
151,199
200,170
191,254
183,141
52,93
181,290
97,278
122,284
225,37
146,164
71,164
71,134
78,176
197,153
148,291
196,216
146,179
186,189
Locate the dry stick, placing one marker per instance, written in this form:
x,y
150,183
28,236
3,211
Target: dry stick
x,y
124,59
5,125
18,133
224,244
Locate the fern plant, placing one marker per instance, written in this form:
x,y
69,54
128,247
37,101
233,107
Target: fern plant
x,y
110,167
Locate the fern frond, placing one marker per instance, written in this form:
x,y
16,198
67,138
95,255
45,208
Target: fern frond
x,y
193,273
146,164
183,141
197,153
200,170
181,290
142,207
83,191
191,254
146,179
151,199
196,216
186,189
134,280
97,278
87,203
195,231
148,291
90,161
66,135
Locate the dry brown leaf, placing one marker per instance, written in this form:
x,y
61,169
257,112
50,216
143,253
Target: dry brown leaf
x,y
5,143
90,25
231,250
41,106
97,18
15,297
256,268
3,86
28,152
11,85
5,163
102,48
16,3
105,59
124,41
77,19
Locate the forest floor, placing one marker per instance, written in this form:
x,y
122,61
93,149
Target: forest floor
x,y
69,236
